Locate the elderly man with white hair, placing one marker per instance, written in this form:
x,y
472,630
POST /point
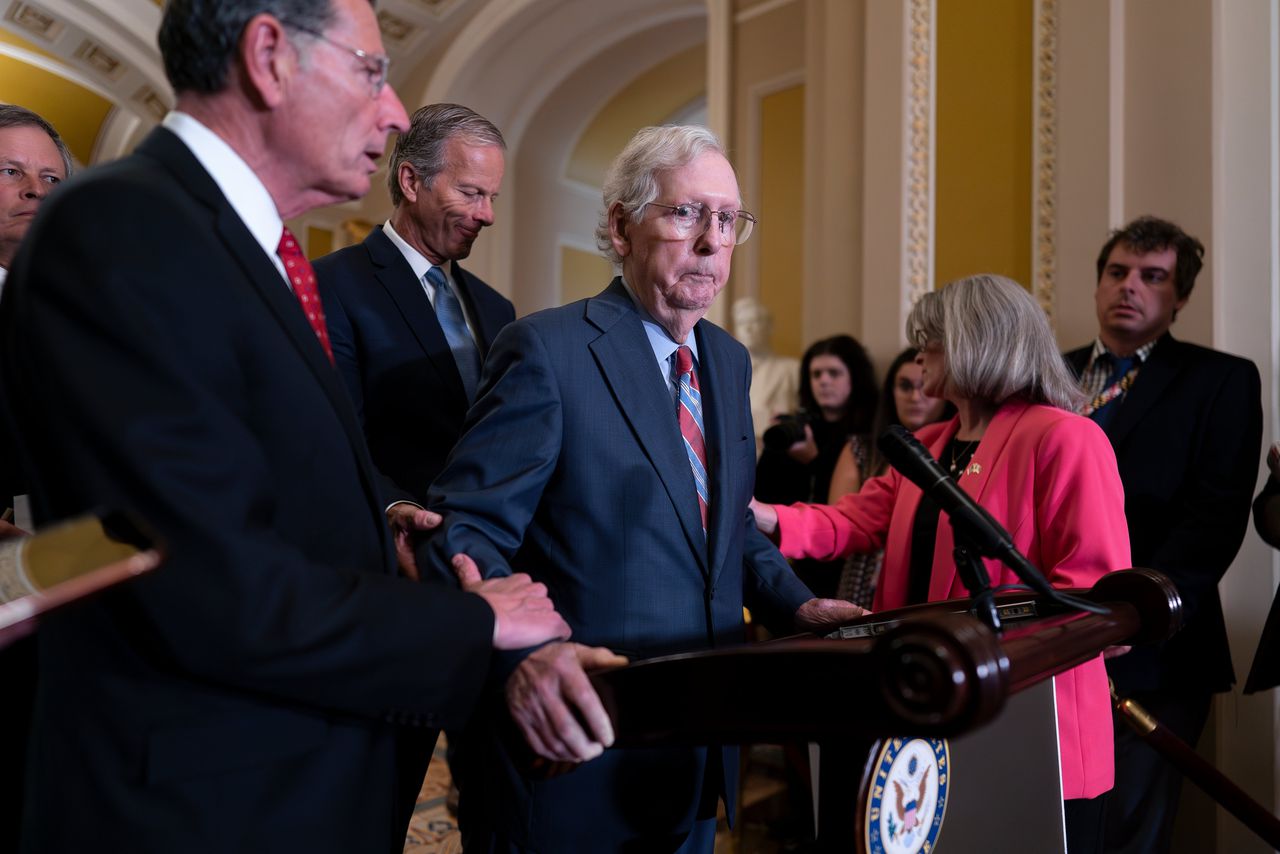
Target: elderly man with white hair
x,y
610,455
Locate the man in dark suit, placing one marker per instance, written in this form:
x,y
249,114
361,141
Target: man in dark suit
x,y
167,355
33,161
1186,425
611,454
410,349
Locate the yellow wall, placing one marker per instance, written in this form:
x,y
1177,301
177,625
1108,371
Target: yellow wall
x,y
319,242
74,111
767,48
582,274
781,213
649,99
984,138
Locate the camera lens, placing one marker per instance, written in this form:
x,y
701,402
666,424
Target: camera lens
x,y
784,434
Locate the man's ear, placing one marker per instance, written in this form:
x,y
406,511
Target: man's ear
x,y
267,60
619,223
407,178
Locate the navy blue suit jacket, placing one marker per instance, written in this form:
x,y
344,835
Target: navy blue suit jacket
x,y
248,694
573,470
1187,439
395,360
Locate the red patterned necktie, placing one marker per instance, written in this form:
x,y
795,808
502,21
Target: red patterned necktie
x,y
303,279
689,413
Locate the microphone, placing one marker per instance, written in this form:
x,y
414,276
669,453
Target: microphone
x,y
973,523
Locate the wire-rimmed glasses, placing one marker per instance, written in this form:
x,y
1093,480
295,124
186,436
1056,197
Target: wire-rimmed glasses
x,y
692,219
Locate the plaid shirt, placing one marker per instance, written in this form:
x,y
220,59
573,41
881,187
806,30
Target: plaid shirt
x,y
1093,379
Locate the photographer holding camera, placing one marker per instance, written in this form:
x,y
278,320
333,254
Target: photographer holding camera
x,y
838,400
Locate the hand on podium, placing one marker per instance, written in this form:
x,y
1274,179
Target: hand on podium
x,y
817,614
554,705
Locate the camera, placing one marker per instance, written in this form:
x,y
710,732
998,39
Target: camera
x,y
786,431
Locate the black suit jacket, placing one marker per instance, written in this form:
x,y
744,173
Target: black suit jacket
x,y
394,357
1265,672
246,695
1187,439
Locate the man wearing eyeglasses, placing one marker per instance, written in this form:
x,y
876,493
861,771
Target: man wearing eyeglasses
x,y
167,354
610,454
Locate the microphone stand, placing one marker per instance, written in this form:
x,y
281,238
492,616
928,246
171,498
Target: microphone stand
x,y
976,579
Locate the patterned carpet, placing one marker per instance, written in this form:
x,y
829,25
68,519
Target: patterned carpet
x,y
434,831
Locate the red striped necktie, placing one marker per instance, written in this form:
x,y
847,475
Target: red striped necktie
x,y
689,413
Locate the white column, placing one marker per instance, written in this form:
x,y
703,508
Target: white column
x,y
1246,320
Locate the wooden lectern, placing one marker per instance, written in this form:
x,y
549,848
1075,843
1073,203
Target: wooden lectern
x,y
928,671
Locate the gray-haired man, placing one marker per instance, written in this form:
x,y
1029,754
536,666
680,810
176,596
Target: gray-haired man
x,y
409,325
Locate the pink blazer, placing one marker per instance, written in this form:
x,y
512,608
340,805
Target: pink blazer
x,y
1050,478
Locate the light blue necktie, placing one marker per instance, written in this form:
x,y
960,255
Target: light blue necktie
x,y
454,324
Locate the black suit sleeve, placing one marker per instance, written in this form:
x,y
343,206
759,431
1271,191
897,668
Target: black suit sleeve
x,y
1208,521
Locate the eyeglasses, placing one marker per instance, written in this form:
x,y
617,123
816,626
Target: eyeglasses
x,y
692,220
376,64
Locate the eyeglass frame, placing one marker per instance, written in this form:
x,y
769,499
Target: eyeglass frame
x,y
380,60
739,213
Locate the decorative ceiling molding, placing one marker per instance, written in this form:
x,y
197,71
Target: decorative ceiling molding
x,y
438,8
109,47
506,62
100,61
395,30
54,66
30,21
99,46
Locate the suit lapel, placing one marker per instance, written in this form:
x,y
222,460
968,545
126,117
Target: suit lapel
x,y
1153,378
265,279
626,360
396,277
715,378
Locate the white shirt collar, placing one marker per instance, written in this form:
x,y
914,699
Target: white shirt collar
x,y
664,349
244,190
417,261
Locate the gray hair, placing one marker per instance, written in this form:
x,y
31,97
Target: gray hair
x,y
632,179
423,145
996,342
13,116
199,38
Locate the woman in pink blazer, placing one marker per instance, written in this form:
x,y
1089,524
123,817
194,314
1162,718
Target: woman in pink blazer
x,y
1047,475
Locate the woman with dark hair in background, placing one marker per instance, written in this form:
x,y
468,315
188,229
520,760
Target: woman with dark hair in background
x,y
837,401
902,401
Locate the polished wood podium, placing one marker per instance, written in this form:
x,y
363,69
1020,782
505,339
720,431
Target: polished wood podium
x,y
931,671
